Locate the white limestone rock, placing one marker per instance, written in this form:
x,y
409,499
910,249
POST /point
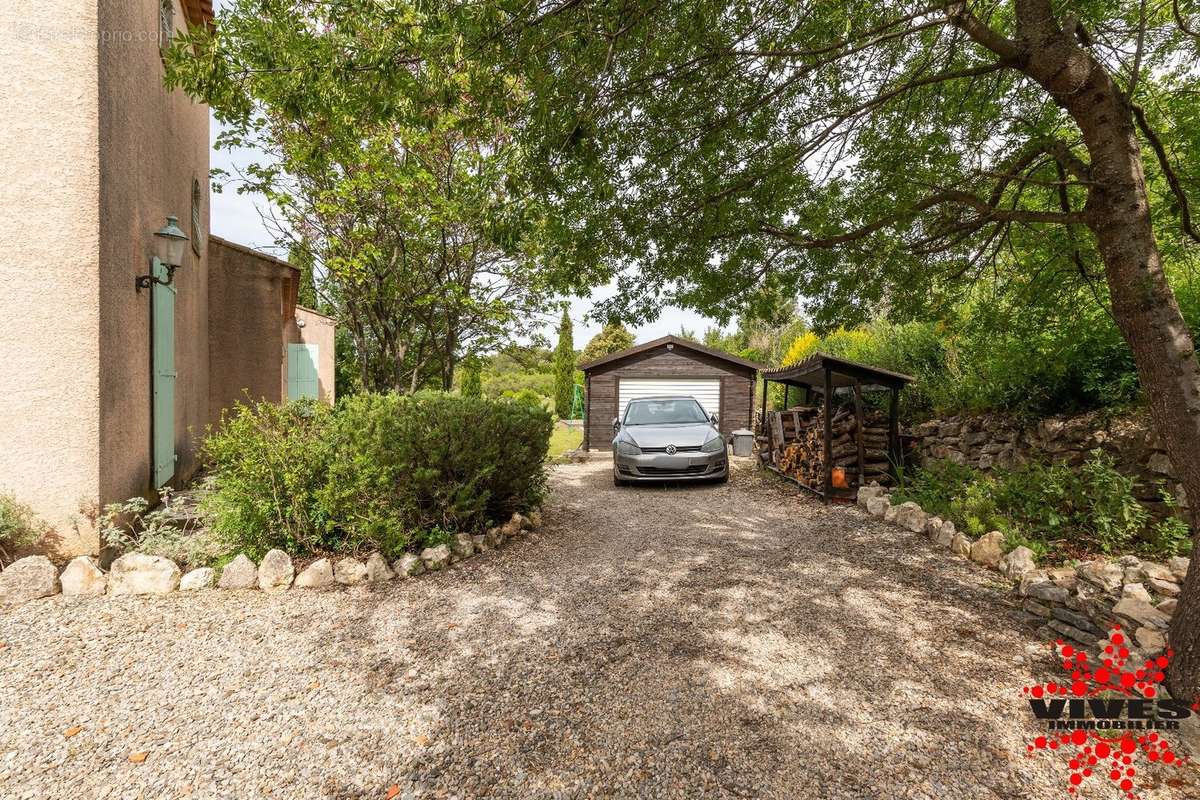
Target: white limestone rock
x,y
989,549
239,574
436,558
198,580
408,565
83,578
1018,562
378,570
316,575
138,573
28,579
276,572
462,546
350,572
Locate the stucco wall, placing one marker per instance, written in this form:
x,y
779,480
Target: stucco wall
x,y
251,302
49,260
154,144
320,330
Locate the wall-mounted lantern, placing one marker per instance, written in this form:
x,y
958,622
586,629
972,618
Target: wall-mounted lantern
x,y
169,244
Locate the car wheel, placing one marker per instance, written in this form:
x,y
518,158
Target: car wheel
x,y
724,478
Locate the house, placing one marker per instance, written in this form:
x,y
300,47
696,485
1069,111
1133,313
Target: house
x,y
122,341
723,384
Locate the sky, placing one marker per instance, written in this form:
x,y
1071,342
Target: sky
x,y
241,218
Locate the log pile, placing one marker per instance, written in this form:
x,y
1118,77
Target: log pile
x,y
798,436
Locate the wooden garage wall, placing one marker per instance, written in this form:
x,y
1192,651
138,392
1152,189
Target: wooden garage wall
x,y
737,387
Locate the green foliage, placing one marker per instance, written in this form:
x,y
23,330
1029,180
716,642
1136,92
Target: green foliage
x,y
612,338
564,368
383,472
389,161
19,527
167,530
1046,507
472,383
1170,535
268,467
527,397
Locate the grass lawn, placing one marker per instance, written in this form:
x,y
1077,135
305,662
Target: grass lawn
x,y
564,439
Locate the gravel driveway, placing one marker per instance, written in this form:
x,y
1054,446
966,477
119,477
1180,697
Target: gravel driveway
x,y
716,641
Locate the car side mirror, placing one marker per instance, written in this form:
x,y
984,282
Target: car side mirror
x,y
616,423
712,418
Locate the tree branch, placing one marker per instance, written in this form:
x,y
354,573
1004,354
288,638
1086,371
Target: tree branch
x,y
1185,213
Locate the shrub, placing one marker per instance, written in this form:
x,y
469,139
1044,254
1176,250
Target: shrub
x,y
269,464
19,527
1046,507
405,465
472,383
163,531
384,472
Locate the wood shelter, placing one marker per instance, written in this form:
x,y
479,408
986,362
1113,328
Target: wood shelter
x,y
823,377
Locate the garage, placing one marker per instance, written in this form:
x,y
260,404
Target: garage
x,y
722,382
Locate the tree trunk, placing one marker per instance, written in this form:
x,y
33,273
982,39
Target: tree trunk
x,y
1145,309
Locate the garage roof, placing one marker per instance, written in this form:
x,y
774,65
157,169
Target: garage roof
x,y
677,341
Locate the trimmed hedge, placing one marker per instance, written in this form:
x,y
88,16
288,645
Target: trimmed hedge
x,y
384,472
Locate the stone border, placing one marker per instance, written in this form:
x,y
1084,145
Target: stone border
x,y
35,577
1080,602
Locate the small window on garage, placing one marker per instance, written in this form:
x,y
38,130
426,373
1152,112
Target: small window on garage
x,y
197,217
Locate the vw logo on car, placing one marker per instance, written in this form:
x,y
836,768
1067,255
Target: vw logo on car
x,y
671,450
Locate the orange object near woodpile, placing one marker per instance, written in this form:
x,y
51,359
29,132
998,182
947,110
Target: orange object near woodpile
x,y
839,478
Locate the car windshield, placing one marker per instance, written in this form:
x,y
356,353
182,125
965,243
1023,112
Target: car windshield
x,y
673,411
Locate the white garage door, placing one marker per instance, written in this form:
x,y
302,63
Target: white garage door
x,y
706,390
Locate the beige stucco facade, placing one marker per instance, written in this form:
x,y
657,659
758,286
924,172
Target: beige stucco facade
x,y
96,154
154,149
312,327
50,257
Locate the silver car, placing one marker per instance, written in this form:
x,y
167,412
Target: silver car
x,y
667,438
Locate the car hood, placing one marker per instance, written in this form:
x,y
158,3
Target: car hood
x,y
663,435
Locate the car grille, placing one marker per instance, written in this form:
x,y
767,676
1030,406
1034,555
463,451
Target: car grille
x,y
689,449
695,469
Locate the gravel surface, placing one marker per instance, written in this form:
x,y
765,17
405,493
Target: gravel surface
x,y
715,641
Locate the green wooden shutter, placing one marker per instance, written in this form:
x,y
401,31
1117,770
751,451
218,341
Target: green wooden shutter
x,y
162,315
302,371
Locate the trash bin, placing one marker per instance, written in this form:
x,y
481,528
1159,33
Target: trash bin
x,y
743,443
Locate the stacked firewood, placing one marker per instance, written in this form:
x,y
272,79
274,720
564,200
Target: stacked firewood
x,y
798,436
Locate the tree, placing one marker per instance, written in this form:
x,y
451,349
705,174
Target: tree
x,y
715,152
612,338
564,368
424,242
472,384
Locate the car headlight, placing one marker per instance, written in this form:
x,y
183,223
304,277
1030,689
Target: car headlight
x,y
628,448
715,445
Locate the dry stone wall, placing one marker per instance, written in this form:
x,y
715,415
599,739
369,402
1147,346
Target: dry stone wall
x,y
1079,602
990,441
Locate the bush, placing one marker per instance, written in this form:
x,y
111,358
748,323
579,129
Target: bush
x,y
1046,507
405,465
384,472
167,530
19,527
269,464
